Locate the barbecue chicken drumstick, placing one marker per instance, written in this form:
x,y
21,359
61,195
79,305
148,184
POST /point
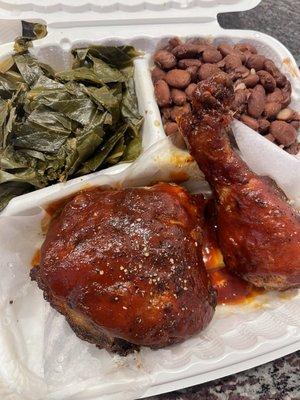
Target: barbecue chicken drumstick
x,y
258,231
125,267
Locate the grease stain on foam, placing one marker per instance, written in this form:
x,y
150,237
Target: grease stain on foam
x,y
256,302
138,360
181,159
288,294
288,63
178,176
177,159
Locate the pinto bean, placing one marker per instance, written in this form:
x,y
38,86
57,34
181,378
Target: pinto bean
x,y
157,74
178,97
256,61
256,102
164,59
283,132
251,122
178,78
211,56
189,62
162,93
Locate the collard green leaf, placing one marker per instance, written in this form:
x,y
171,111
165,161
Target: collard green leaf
x,y
5,106
117,152
8,86
47,70
88,140
15,76
6,64
30,31
71,151
43,82
43,131
129,103
28,67
7,130
130,110
106,73
12,159
32,137
22,45
105,98
26,176
9,190
115,56
51,120
128,71
33,154
102,153
69,100
130,106
132,149
33,30
80,56
81,74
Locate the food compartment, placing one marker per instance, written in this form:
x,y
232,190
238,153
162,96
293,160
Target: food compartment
x,y
263,79
64,123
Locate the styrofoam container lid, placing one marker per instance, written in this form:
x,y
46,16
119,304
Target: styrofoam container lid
x,y
65,12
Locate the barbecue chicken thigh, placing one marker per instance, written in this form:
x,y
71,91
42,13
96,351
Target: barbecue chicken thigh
x,y
258,231
125,267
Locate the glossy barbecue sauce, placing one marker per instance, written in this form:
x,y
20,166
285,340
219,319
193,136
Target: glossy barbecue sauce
x,y
52,209
36,258
230,288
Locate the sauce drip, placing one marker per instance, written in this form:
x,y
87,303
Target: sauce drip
x,y
55,207
36,258
212,256
232,289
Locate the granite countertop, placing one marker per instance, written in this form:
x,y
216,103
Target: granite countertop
x,y
277,18
277,380
280,379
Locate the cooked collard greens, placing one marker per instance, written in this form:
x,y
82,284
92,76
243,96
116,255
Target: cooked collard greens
x,y
56,126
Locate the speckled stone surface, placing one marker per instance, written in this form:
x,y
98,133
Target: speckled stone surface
x,y
277,380
277,18
280,379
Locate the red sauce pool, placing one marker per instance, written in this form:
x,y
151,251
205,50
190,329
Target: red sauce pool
x,y
231,289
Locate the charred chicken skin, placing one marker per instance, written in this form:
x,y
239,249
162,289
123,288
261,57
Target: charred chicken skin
x,y
125,267
258,231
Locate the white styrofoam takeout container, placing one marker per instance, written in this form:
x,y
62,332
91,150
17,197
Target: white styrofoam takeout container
x,y
146,25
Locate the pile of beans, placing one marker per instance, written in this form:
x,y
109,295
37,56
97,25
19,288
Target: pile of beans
x,y
262,92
